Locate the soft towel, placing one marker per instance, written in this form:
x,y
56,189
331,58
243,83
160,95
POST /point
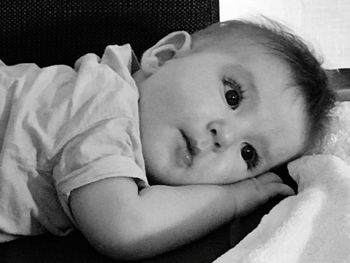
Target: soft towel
x,y
314,225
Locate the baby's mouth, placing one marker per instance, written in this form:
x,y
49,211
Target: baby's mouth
x,y
188,151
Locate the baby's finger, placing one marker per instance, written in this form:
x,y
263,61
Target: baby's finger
x,y
269,185
251,193
273,189
269,178
284,177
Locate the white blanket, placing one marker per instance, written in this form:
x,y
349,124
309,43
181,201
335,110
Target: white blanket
x,y
314,225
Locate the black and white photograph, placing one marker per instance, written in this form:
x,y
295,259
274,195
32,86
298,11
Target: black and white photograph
x,y
187,131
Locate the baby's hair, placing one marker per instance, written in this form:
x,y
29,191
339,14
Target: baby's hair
x,y
307,72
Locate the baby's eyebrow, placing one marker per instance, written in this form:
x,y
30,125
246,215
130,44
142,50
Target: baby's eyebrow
x,y
244,75
247,75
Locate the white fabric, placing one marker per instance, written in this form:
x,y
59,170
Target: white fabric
x,y
60,129
314,225
322,23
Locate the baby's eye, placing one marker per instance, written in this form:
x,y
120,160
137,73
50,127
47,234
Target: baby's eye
x,y
234,93
250,156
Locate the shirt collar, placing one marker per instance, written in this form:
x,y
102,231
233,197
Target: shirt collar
x,y
135,64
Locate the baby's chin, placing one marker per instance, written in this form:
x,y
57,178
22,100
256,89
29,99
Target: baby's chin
x,y
155,180
157,177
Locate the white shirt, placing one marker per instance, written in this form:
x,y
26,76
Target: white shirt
x,y
60,129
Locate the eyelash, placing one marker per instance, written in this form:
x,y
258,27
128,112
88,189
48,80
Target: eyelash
x,y
233,87
251,164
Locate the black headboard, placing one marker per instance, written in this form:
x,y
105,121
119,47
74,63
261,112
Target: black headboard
x,y
50,32
60,31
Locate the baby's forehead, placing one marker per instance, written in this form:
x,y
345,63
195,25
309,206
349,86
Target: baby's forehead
x,y
250,60
245,52
230,38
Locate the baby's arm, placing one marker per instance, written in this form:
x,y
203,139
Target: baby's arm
x,y
122,222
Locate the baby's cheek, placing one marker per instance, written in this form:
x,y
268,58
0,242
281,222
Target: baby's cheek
x,y
230,171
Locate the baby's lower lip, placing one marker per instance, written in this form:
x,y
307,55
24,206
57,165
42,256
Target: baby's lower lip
x,y
183,156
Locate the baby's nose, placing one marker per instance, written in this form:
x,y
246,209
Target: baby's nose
x,y
222,134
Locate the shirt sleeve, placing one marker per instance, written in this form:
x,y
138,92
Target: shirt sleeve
x,y
101,138
101,152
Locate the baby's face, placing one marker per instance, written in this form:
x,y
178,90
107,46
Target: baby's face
x,y
212,117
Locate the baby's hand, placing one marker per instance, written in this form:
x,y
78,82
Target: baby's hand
x,y
253,192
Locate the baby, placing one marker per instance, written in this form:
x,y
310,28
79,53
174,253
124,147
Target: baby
x,y
144,158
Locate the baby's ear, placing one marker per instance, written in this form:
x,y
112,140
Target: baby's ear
x,y
173,45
